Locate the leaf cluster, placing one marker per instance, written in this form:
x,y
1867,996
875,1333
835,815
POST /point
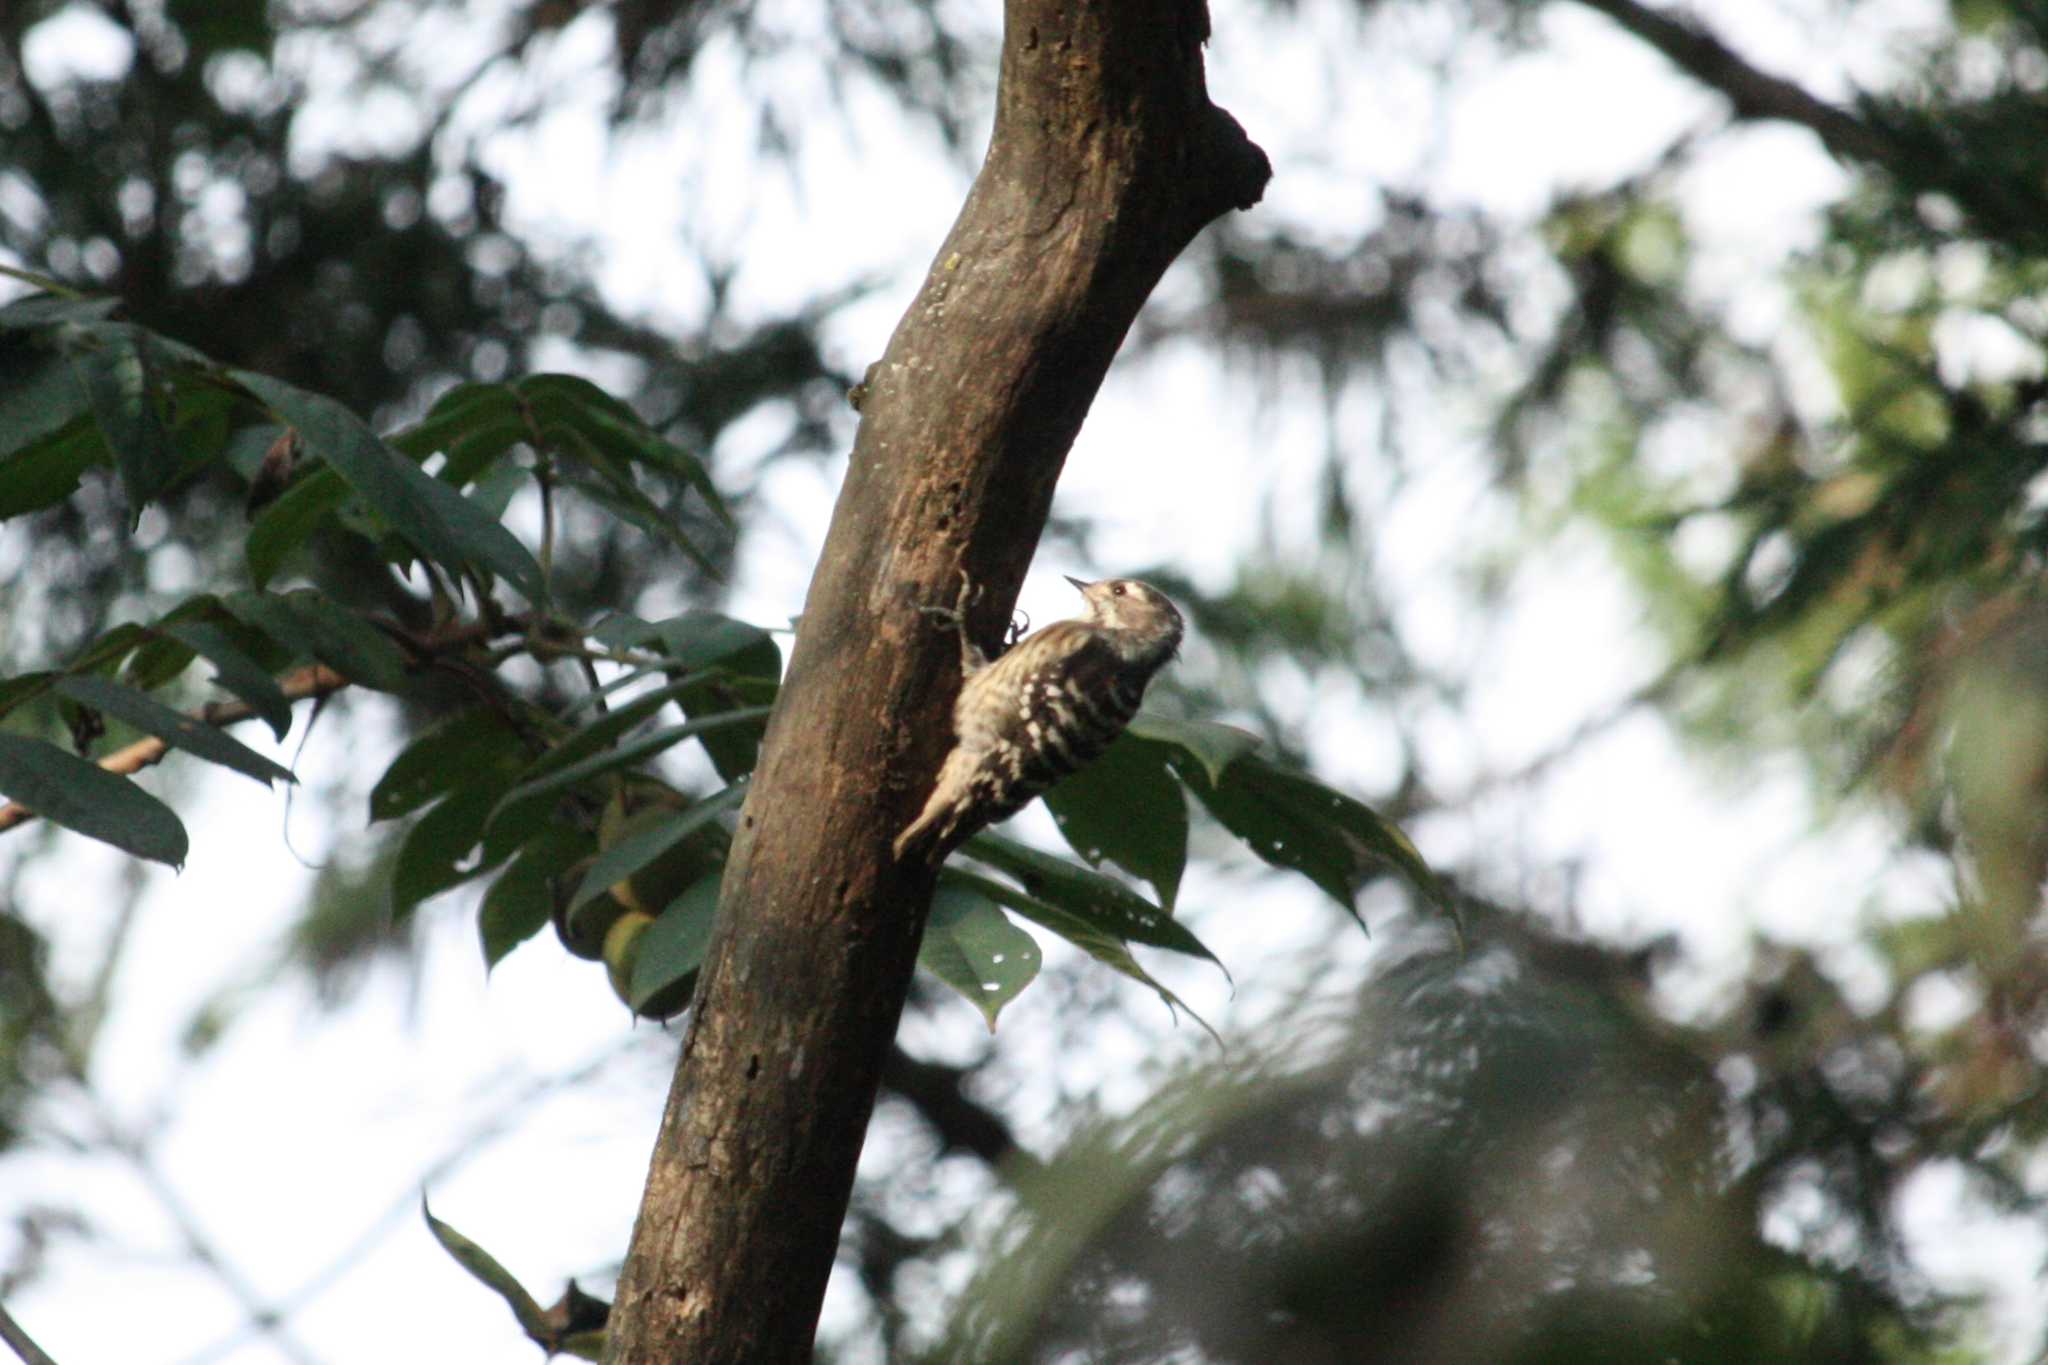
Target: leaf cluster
x,y
560,804
1495,1154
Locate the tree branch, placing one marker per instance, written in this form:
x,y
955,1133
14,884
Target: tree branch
x,y
315,680
22,1343
961,1123
312,681
132,1148
1755,94
1106,159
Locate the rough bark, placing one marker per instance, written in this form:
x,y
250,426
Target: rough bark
x,y
1106,158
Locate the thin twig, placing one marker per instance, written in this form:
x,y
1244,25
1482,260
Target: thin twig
x,y
24,1345
98,1001
626,658
404,1209
47,283
315,680
135,1151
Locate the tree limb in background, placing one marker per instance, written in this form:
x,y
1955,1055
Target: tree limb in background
x,y
1106,159
1755,94
935,1091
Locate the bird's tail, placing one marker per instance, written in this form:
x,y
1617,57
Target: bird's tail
x,y
923,834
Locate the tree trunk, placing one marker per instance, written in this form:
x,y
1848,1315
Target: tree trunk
x,y
1106,159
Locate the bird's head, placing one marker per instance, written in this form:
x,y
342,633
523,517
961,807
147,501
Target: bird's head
x,y
1143,624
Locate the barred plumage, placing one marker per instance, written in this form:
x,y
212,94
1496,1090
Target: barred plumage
x,y
1048,706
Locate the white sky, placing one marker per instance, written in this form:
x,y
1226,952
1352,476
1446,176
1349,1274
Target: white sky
x,y
294,1136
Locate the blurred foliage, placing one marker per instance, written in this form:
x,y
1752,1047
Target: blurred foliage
x,y
1854,576
188,159
1495,1155
29,1033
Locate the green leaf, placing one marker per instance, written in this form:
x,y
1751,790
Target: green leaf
x,y
613,430
625,756
437,520
740,666
596,696
121,387
39,396
46,310
971,945
484,1268
66,790
672,948
162,351
594,735
527,806
642,847
461,411
235,671
473,453
452,753
1103,947
347,642
1291,820
1108,905
733,751
1213,746
24,687
209,609
110,648
521,813
693,640
510,827
47,472
202,414
317,628
432,855
572,397
1127,808
618,494
522,899
496,488
175,728
471,426
156,661
245,449
290,522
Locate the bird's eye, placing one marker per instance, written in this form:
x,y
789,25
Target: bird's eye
x,y
1117,590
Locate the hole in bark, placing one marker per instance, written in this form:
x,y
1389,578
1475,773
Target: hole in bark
x,y
753,1066
839,892
747,821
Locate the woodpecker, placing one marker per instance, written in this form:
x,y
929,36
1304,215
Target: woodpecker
x,y
1046,707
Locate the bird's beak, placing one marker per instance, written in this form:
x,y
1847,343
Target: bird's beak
x,y
1078,583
